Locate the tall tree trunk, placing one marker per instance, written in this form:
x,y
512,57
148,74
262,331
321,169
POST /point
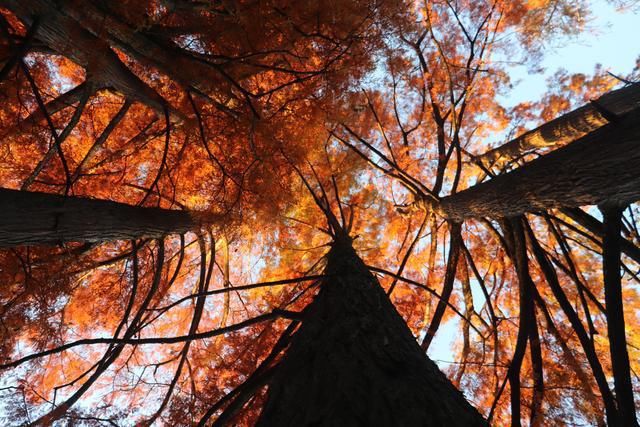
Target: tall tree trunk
x,y
32,218
612,221
566,128
354,362
602,167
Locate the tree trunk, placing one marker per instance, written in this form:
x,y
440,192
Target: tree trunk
x,y
594,226
566,128
31,218
551,278
354,362
612,222
602,167
104,68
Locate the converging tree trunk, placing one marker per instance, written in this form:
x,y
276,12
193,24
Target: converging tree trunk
x,y
601,167
568,127
354,362
55,29
612,220
31,218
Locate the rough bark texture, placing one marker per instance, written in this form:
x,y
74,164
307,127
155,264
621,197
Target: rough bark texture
x,y
104,68
354,362
567,127
602,167
165,56
30,218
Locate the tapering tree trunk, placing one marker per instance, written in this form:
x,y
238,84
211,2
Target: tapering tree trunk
x,y
612,222
354,362
31,218
568,127
602,167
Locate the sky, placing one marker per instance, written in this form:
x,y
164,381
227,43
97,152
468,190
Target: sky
x,y
612,42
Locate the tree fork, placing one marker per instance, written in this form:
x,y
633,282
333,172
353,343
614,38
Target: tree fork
x,y
56,28
612,225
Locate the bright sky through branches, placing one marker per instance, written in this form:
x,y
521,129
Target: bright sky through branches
x,y
604,45
609,44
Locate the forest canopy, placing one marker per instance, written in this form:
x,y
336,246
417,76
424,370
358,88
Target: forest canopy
x,y
220,212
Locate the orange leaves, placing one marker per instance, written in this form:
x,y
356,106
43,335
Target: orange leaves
x,y
536,4
259,96
567,91
66,73
554,106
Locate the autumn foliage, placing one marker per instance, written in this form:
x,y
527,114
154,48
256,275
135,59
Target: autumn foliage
x,y
263,122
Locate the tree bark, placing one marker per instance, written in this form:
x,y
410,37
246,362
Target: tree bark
x,y
354,362
166,57
602,167
32,218
104,68
612,222
566,128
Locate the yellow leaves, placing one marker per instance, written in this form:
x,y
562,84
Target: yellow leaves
x,y
196,202
536,4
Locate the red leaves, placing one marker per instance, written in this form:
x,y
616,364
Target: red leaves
x,y
260,95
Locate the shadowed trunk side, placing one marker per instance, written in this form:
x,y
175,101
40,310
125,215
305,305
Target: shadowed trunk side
x,y
32,218
354,362
601,167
